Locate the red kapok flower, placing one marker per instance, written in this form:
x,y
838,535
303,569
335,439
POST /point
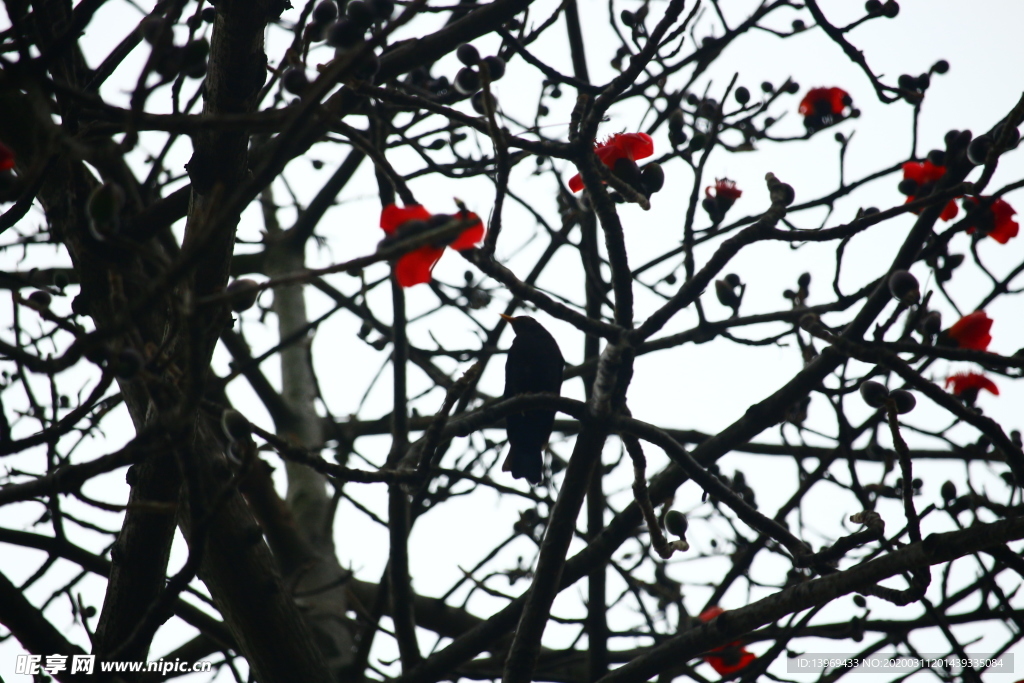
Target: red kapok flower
x,y
415,267
733,657
6,157
971,381
994,221
925,175
971,331
717,203
724,188
822,107
631,146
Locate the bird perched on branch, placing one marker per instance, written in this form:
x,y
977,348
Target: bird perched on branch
x,y
534,364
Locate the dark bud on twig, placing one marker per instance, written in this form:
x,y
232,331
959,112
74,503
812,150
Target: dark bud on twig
x,y
243,294
890,9
779,192
904,287
467,81
468,54
478,102
295,81
344,34
873,393
727,296
903,400
940,67
937,157
948,492
859,601
193,58
60,280
978,150
676,523
495,67
235,426
907,186
804,280
931,324
767,87
742,95
360,13
873,7
652,177
40,300
325,12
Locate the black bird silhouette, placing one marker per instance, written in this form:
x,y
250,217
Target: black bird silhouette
x,y
534,365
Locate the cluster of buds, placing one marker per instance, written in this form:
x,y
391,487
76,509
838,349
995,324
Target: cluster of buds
x,y
877,396
469,79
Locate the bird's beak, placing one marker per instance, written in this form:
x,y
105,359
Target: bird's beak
x,y
506,317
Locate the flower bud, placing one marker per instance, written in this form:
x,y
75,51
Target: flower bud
x,y
726,294
40,299
941,66
360,13
904,401
478,102
907,186
243,294
467,54
873,393
931,324
978,150
860,601
652,177
676,523
495,67
467,81
325,12
742,95
295,81
345,34
804,280
904,287
948,492
235,426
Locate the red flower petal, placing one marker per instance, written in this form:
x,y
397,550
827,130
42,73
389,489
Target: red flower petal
x,y
471,236
950,212
922,173
710,613
971,331
724,188
393,217
415,267
630,146
835,97
732,663
6,157
964,381
1001,214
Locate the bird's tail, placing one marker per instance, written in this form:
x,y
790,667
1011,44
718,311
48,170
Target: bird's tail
x,y
524,462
